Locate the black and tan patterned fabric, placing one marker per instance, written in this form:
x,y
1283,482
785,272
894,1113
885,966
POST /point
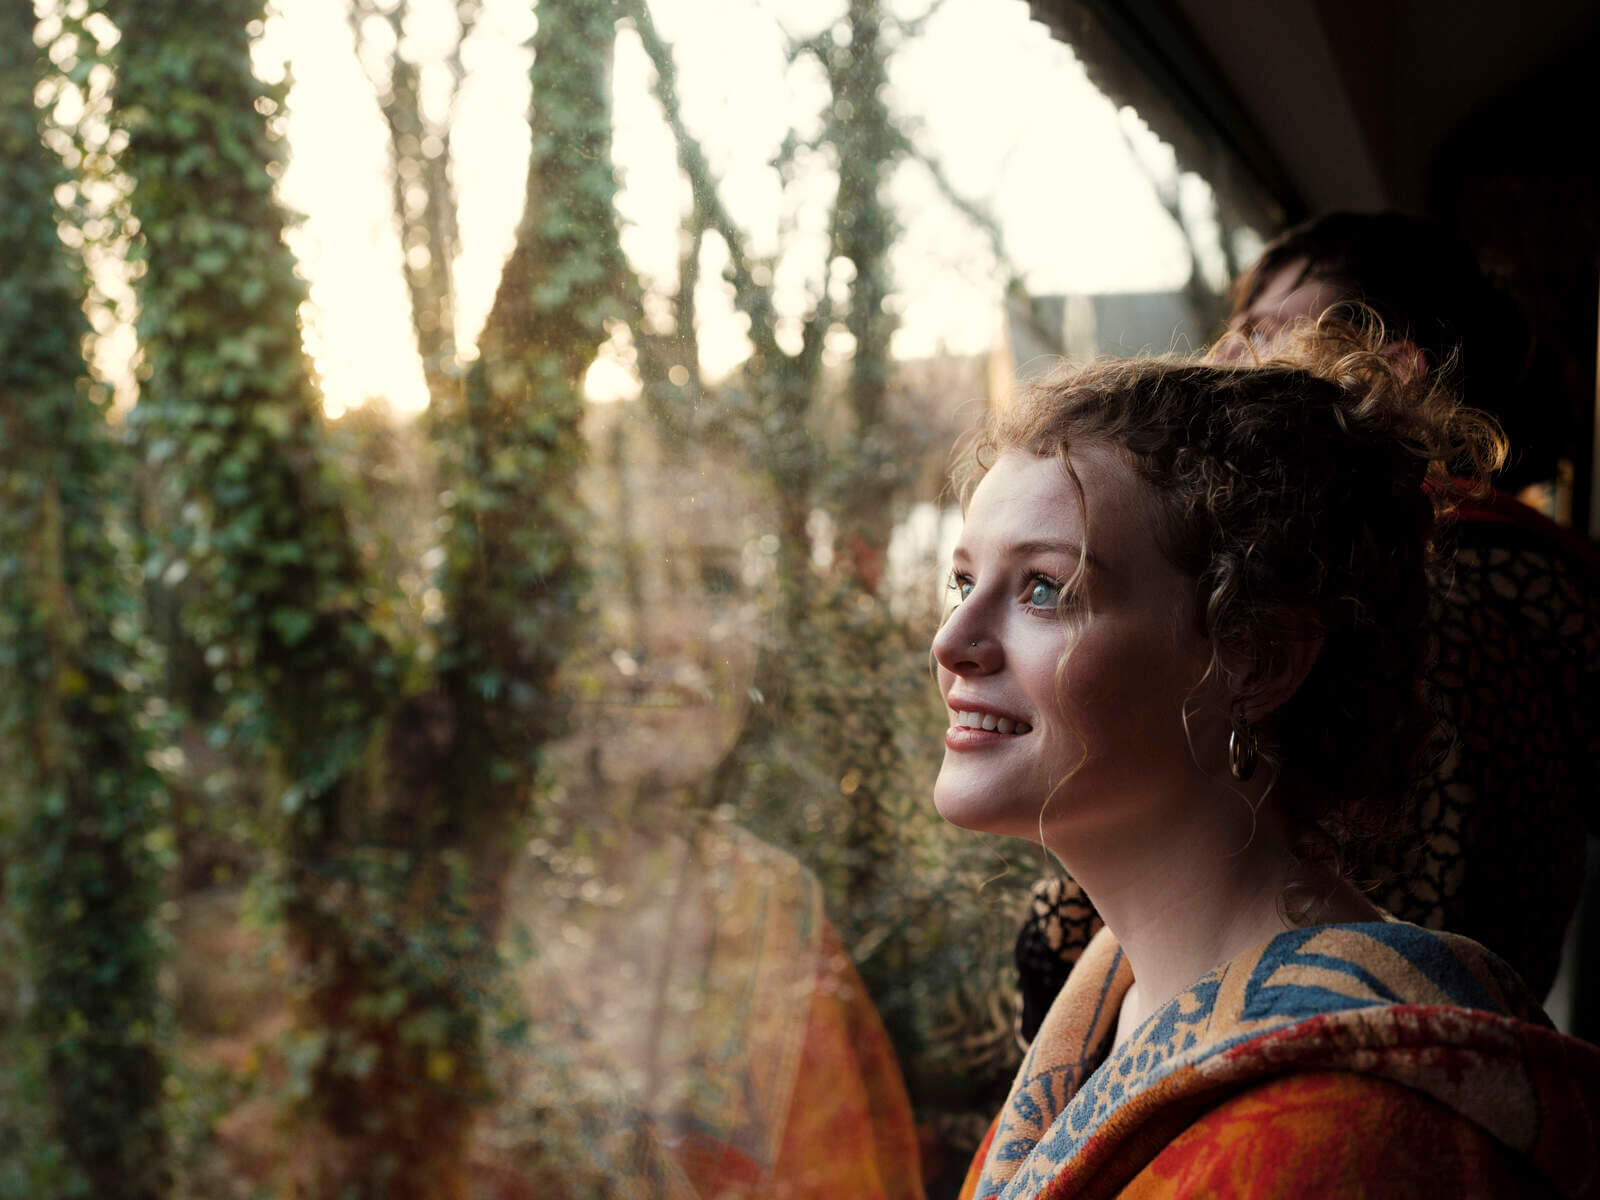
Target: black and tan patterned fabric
x,y
1498,848
1059,924
1503,820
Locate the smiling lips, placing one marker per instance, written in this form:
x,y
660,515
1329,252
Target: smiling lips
x,y
973,730
989,722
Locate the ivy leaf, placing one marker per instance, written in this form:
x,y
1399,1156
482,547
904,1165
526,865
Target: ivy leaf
x,y
291,624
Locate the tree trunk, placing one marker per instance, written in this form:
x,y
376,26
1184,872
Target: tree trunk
x,y
387,966
79,800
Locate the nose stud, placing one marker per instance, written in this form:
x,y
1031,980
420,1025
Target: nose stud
x,y
973,644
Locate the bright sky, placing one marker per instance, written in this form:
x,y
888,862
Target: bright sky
x,y
1005,108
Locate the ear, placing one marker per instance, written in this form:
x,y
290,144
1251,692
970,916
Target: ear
x,y
1408,359
1267,675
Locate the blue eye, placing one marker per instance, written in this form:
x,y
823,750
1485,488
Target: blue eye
x,y
961,586
1045,593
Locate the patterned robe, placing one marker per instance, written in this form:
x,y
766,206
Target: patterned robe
x,y
1373,1059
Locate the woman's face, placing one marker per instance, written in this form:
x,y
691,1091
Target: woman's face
x,y
1288,295
1136,657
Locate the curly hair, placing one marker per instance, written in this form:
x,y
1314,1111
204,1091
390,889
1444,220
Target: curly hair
x,y
1301,495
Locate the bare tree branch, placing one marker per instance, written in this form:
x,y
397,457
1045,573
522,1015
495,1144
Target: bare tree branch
x,y
752,297
1203,299
974,210
910,27
429,233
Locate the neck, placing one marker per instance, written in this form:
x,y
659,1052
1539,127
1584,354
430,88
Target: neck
x,y
1195,888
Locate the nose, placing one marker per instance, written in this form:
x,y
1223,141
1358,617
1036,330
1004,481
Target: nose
x,y
964,645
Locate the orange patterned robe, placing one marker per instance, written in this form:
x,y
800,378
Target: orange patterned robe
x,y
1341,1060
704,1036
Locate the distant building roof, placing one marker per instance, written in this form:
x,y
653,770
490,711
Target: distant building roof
x,y
1043,329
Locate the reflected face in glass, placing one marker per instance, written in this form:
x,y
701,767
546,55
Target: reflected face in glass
x,y
1110,721
1288,296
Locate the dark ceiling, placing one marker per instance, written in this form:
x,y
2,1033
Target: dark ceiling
x,y
1483,115
1343,103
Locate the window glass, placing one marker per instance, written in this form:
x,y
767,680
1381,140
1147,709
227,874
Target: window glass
x,y
606,806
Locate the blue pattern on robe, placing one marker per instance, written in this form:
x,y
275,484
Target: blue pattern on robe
x,y
1278,993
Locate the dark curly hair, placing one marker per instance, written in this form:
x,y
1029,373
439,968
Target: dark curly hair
x,y
1300,494
1426,286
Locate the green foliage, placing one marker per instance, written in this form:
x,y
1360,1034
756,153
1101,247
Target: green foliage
x,y
406,742
514,579
226,400
928,910
81,806
398,799
836,761
868,146
285,604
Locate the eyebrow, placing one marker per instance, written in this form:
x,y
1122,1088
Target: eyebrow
x,y
1045,546
1071,549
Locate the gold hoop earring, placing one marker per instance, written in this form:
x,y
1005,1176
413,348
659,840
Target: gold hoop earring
x,y
1241,748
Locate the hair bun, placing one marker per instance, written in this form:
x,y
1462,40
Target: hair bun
x,y
1388,387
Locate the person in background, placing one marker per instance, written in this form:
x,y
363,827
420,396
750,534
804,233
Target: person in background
x,y
1497,832
1426,287
1184,654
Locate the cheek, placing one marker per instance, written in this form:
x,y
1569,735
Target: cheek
x,y
1131,692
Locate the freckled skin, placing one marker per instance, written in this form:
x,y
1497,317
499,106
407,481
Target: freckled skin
x,y
1113,721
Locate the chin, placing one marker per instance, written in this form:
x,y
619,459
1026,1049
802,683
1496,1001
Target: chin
x,y
958,810
975,809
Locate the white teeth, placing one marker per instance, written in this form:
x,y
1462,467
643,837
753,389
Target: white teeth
x,y
972,720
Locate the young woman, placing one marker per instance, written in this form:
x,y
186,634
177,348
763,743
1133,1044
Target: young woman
x,y
1184,654
1496,847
